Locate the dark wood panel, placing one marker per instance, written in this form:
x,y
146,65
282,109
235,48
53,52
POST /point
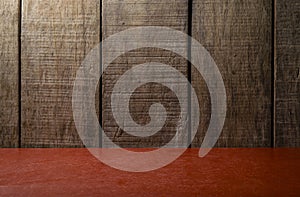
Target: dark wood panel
x,y
9,64
121,15
56,36
287,123
238,36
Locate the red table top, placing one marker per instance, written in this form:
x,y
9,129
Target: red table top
x,y
223,172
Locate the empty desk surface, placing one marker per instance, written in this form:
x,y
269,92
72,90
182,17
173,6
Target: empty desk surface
x,y
223,172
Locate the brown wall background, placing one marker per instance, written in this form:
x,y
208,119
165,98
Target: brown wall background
x,y
255,43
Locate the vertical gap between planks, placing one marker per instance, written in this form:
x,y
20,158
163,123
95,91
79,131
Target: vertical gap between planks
x,y
274,70
190,17
19,76
100,80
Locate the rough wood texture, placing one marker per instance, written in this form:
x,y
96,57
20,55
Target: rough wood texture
x,y
9,63
238,36
121,15
287,73
56,36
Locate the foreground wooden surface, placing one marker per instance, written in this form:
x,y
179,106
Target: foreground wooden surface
x,y
223,172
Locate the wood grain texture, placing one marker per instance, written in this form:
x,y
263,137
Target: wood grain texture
x,y
121,15
56,36
238,36
9,65
245,172
287,73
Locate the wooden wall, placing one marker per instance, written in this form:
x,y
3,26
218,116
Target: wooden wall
x,y
9,67
56,36
287,84
134,13
238,35
255,44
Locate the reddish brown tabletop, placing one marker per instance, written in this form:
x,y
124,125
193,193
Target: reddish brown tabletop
x,y
223,172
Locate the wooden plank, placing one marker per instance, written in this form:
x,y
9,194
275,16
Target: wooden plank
x,y
223,172
287,73
238,36
9,65
56,36
121,15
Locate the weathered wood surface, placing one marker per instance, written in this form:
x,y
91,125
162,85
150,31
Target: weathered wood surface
x,y
9,65
238,36
287,122
121,15
56,36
